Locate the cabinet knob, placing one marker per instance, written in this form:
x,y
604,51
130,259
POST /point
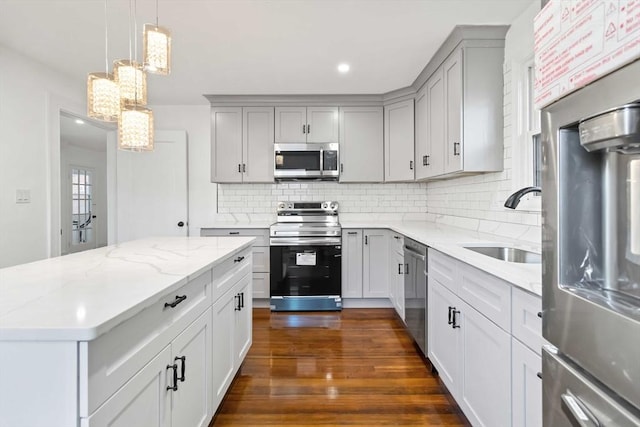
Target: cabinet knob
x,y
181,224
539,375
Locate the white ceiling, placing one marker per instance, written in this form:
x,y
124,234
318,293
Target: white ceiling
x,y
88,135
252,46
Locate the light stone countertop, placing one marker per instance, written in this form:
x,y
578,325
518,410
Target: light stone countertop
x,y
80,296
450,241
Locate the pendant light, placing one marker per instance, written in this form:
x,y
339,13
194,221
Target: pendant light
x,y
135,123
156,48
103,98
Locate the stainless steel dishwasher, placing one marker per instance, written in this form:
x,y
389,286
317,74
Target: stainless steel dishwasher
x,y
415,291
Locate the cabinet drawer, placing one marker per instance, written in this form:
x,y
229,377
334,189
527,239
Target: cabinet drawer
x,y
110,361
526,324
487,294
224,274
261,234
397,243
261,259
444,269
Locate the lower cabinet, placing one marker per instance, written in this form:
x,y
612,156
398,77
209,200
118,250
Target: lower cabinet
x,y
174,389
352,263
527,386
396,282
365,263
470,351
231,336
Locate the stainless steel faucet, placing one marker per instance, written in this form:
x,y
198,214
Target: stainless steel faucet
x,y
513,200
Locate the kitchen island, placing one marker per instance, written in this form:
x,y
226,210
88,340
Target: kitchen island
x,y
149,332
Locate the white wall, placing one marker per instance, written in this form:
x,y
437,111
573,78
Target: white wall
x,y
71,155
25,88
476,202
202,193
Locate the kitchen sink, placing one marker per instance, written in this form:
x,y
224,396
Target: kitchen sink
x,y
508,254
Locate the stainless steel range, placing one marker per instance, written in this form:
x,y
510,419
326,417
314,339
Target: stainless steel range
x,y
306,257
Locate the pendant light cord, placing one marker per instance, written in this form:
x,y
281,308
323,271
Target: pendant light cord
x,y
156,13
130,55
106,39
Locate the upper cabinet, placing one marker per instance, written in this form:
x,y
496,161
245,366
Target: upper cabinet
x,y
242,144
398,141
306,124
459,117
361,144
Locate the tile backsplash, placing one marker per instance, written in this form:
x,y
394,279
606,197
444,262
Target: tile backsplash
x,y
353,198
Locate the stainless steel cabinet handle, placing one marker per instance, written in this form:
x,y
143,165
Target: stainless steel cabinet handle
x,y
456,148
582,416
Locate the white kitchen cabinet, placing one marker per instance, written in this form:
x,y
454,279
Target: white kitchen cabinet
x,y
397,272
399,148
443,340
526,387
226,144
352,263
260,253
242,144
452,69
191,403
470,345
143,401
361,144
485,358
430,128
375,264
232,315
306,124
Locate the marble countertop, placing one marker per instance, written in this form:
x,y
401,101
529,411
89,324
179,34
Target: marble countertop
x,y
80,296
450,241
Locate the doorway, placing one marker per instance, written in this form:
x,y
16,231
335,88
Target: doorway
x,y
83,184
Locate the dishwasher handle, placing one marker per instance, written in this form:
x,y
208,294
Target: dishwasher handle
x,y
579,411
415,253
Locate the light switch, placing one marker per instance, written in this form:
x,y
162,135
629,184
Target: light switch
x,y
23,196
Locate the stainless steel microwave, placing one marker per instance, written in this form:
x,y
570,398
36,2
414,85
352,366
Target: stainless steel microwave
x,y
307,161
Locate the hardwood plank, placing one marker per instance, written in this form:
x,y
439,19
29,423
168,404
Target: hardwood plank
x,y
358,367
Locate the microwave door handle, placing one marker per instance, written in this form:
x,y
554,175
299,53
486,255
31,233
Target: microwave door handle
x,y
321,161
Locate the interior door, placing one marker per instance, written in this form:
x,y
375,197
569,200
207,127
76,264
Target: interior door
x,y
151,189
79,227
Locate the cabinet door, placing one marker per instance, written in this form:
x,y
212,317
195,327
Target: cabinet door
x,y
352,263
222,341
444,343
397,271
436,141
289,122
527,386
191,403
261,285
421,133
376,263
226,144
452,68
484,392
143,401
257,144
361,144
322,124
243,321
398,141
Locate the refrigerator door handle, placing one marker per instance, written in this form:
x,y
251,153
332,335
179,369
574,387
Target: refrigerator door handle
x,y
580,413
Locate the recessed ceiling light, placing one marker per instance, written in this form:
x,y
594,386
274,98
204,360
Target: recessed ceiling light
x,y
343,68
79,122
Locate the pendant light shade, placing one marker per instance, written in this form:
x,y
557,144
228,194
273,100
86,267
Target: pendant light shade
x,y
135,128
156,49
132,81
103,97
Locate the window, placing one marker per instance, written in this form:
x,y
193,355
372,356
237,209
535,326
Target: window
x,y
81,199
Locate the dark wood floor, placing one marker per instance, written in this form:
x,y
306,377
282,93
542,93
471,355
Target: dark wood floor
x,y
357,368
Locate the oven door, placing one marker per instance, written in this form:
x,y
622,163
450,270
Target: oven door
x,y
297,161
302,274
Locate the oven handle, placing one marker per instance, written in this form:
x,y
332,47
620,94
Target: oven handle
x,y
282,241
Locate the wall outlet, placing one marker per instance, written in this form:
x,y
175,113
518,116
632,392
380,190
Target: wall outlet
x,y
23,196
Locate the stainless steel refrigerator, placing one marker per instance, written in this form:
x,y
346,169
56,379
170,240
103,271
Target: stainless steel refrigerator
x,y
591,254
